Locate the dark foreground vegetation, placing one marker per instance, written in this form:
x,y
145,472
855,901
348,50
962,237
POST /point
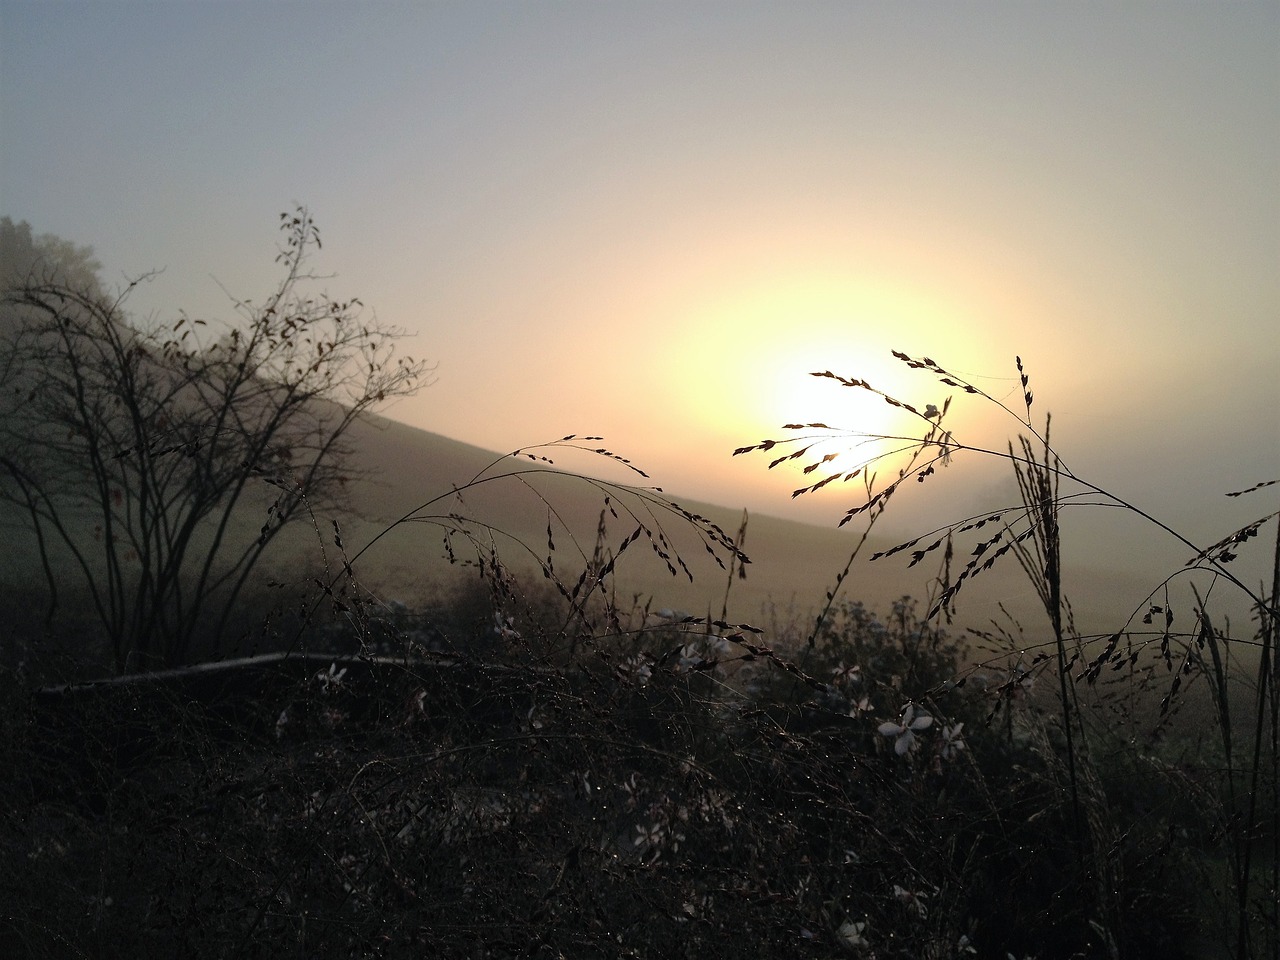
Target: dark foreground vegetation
x,y
535,768
670,793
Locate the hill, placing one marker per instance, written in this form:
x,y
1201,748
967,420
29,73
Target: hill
x,y
792,564
406,471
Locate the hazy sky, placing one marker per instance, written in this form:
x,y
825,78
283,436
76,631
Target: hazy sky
x,y
650,220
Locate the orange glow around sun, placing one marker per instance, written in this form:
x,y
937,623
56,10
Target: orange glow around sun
x,y
744,364
769,340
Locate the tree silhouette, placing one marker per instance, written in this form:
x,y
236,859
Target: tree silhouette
x,y
135,453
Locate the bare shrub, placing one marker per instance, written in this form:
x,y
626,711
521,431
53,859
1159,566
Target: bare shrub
x,y
133,452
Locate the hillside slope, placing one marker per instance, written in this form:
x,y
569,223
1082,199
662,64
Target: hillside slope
x,y
792,565
405,469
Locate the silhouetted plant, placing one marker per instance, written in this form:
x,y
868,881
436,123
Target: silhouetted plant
x,y
134,450
1030,532
532,766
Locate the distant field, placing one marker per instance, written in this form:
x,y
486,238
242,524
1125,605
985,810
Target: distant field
x,y
793,564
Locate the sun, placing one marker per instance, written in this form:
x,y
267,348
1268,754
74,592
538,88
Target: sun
x,y
841,428
802,397
743,372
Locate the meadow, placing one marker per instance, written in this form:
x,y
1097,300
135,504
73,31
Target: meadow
x,y
546,715
281,678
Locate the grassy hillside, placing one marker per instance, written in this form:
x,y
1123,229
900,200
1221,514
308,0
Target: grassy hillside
x,y
672,791
792,564
405,471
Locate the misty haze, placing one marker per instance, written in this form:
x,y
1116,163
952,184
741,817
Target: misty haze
x,y
632,480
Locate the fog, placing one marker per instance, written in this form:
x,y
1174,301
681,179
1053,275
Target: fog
x,y
596,219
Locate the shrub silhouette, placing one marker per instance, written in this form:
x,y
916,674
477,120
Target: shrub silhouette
x,y
132,452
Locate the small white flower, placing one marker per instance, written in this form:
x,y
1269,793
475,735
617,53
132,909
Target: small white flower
x,y
631,787
952,741
689,658
904,732
718,646
536,717
849,935
505,627
842,674
650,837
332,679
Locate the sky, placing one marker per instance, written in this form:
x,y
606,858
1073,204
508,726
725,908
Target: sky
x,y
650,221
